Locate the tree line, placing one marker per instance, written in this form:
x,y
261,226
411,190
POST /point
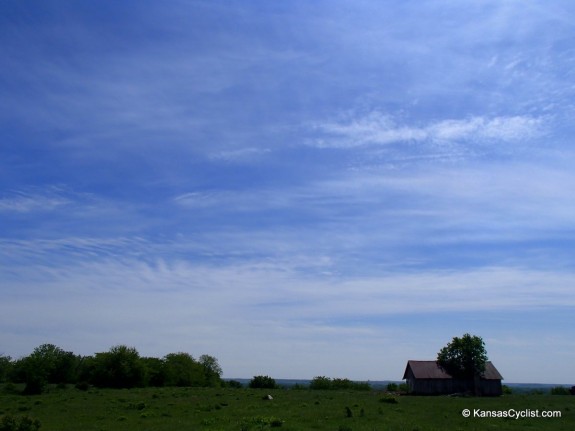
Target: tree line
x,y
120,367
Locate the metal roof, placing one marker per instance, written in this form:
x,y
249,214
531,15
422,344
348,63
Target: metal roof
x,y
431,370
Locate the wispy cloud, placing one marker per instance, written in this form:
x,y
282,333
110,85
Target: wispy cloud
x,y
35,200
377,128
243,155
275,302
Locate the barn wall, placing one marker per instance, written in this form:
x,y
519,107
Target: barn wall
x,y
491,387
452,386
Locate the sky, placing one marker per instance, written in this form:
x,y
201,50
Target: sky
x,y
298,188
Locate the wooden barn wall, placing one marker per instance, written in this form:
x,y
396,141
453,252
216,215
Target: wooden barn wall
x,y
452,386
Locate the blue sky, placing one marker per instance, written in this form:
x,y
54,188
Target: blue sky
x,y
297,188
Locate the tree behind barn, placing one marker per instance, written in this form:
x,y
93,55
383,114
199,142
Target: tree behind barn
x,y
464,358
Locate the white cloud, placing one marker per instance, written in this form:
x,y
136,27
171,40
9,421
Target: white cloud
x,y
259,308
380,129
504,129
31,201
242,155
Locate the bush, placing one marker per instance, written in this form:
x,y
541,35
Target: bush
x,y
262,382
35,385
320,382
10,388
82,386
260,422
388,399
392,387
25,423
5,367
324,383
559,390
233,384
137,406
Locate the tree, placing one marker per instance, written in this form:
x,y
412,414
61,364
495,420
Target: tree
x,y
464,358
60,366
155,371
320,382
262,382
120,367
42,366
212,370
181,369
5,367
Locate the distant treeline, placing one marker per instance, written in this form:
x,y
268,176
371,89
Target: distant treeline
x,y
322,382
317,383
120,367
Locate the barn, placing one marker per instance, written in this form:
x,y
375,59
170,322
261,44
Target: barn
x,y
428,378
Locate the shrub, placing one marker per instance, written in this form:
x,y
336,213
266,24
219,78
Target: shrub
x,y
35,385
262,382
388,399
82,386
25,423
506,390
233,384
10,388
559,390
392,387
260,422
137,406
322,382
5,367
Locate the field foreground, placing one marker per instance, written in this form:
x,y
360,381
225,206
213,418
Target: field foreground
x,y
155,409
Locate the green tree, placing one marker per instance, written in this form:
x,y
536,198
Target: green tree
x,y
86,369
155,371
181,369
39,368
32,371
320,382
61,366
5,367
120,367
560,390
464,358
262,382
212,370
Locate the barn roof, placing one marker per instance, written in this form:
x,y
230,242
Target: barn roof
x,y
431,370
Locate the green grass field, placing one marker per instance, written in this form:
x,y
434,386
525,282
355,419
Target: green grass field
x,y
155,409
